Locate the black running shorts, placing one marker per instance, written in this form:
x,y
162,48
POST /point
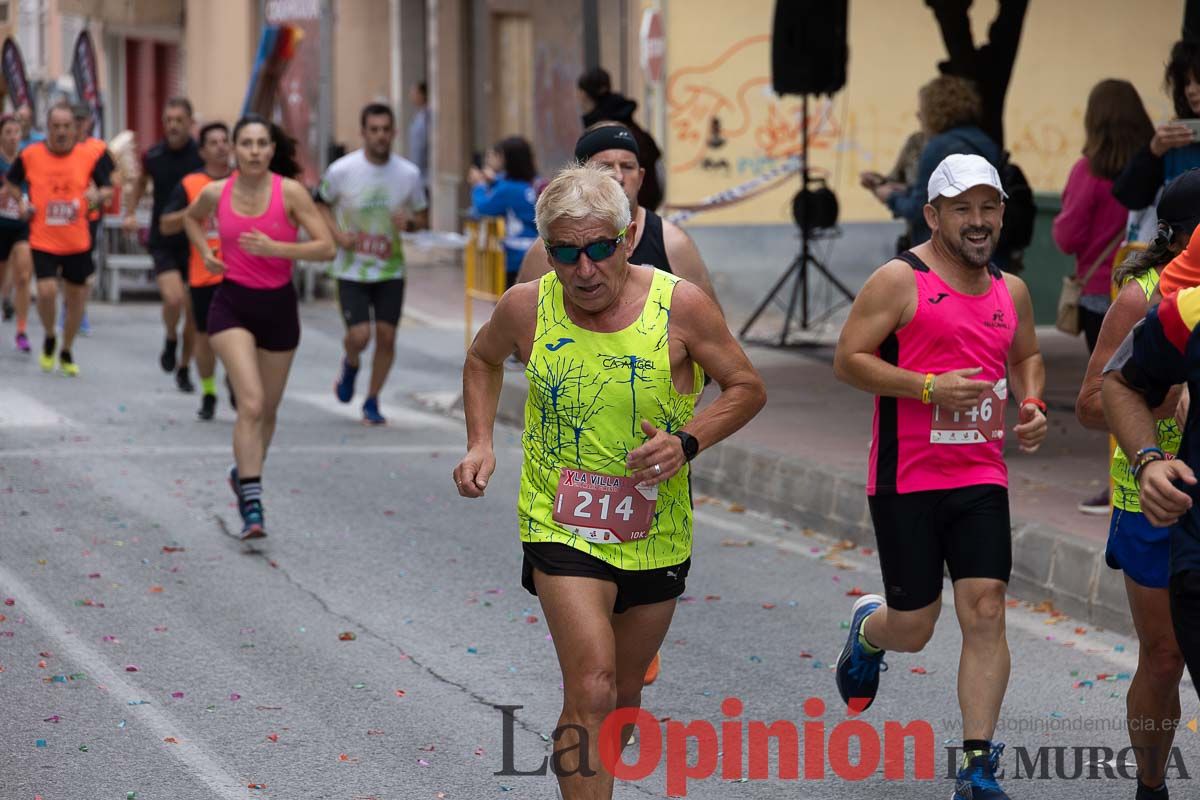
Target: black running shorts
x,y
170,259
9,237
202,297
74,268
634,587
357,299
967,530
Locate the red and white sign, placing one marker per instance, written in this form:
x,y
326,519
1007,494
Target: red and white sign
x,y
606,509
653,44
983,423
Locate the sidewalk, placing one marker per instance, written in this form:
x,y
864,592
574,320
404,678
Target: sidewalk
x,y
804,459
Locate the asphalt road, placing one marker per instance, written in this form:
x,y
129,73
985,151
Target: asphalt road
x,y
146,651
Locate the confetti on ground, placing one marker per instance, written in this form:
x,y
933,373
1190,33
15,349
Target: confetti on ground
x,y
737,508
132,668
918,671
768,606
171,740
855,592
399,693
273,737
347,636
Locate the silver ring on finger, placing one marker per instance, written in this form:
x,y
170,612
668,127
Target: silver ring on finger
x,y
657,469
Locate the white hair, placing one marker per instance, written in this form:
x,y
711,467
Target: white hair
x,y
583,192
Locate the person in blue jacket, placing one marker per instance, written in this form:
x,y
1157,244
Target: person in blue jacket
x,y
950,112
504,187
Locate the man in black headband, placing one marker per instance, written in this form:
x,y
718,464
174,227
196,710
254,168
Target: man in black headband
x,y
657,243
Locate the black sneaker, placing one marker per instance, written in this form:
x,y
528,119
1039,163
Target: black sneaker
x,y
167,359
208,407
1144,792
184,381
8,309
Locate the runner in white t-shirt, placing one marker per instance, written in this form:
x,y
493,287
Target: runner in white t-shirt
x,y
369,197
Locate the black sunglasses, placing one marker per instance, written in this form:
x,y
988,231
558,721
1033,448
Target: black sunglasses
x,y
596,251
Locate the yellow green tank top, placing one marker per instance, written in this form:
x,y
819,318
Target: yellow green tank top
x,y
588,395
1125,490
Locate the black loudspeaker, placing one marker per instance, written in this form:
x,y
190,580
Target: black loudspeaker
x,y
808,46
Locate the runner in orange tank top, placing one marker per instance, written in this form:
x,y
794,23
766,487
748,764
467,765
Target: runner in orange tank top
x,y
214,149
65,181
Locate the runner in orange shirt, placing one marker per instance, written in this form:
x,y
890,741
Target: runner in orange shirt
x,y
214,149
65,180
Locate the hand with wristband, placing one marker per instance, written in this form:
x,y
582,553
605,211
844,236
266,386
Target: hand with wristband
x,y
1031,424
954,390
1160,481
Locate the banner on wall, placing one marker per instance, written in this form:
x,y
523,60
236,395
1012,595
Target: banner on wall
x,y
299,83
87,83
14,74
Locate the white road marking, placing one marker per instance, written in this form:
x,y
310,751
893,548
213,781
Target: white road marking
x,y
192,755
398,416
19,410
121,451
431,320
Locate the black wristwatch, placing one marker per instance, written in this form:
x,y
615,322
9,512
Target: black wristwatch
x,y
691,446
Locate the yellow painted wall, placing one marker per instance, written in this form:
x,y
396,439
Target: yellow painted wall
x,y
719,63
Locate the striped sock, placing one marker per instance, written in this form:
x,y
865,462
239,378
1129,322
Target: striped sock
x,y
251,489
208,385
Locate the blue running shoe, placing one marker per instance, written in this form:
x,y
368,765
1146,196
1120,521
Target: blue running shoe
x,y
252,520
344,388
857,670
85,326
371,415
977,780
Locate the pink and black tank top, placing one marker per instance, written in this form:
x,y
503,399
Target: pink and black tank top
x,y
255,272
917,447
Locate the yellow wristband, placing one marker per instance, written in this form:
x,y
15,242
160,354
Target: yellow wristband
x,y
927,390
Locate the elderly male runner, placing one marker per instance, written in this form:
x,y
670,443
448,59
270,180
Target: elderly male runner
x,y
659,243
933,334
614,352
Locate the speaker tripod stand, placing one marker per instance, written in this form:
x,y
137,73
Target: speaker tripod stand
x,y
802,268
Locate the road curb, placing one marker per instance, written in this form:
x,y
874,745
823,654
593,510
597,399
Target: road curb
x,y
1048,563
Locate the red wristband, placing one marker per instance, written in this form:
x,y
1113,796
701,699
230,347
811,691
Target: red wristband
x,y
1033,401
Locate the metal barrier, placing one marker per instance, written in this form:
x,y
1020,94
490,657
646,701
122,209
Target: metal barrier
x,y
483,266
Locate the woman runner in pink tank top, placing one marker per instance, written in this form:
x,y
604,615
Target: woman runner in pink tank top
x,y
254,321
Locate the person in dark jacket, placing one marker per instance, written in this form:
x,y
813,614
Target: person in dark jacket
x,y
600,104
950,111
1172,151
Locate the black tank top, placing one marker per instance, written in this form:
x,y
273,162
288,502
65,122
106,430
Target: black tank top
x,y
651,250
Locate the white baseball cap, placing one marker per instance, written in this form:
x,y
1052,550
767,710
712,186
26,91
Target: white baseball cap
x,y
959,172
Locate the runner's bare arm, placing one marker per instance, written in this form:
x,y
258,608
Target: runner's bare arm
x,y
1027,370
685,259
1024,357
534,264
706,336
419,220
195,214
1132,422
880,308
172,223
300,207
483,377
1128,309
343,238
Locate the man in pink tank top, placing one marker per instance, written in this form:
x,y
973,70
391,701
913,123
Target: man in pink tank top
x,y
942,338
